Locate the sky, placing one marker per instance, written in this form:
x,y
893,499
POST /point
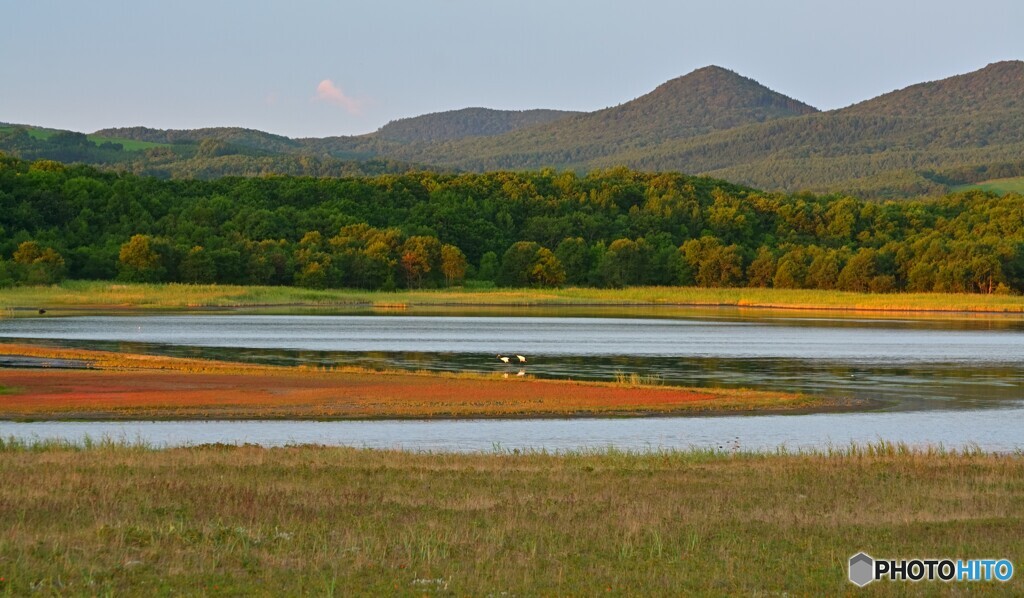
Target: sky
x,y
323,68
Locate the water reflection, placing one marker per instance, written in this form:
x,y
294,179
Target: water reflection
x,y
865,341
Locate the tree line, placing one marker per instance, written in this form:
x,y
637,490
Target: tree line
x,y
203,158
611,228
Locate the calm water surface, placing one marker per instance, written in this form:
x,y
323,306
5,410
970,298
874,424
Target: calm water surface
x,y
991,430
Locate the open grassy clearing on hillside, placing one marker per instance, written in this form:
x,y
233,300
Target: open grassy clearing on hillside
x,y
1000,186
130,145
34,132
108,294
309,520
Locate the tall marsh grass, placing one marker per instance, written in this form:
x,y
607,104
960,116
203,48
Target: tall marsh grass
x,y
634,379
14,444
174,296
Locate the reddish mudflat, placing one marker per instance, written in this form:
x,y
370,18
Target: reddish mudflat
x,y
135,386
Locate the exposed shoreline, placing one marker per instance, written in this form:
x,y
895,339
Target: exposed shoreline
x,y
124,386
826,406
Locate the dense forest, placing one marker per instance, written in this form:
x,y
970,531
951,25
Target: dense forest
x,y
610,228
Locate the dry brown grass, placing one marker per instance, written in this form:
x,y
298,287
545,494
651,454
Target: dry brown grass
x,y
323,521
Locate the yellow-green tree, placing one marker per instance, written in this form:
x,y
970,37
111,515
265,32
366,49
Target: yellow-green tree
x,y
546,270
38,265
453,264
528,264
139,261
714,264
312,264
420,261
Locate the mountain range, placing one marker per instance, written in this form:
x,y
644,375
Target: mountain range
x,y
918,140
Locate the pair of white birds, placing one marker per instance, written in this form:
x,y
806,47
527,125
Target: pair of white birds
x,y
506,358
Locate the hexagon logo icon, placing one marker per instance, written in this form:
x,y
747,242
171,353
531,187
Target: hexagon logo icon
x,y
862,569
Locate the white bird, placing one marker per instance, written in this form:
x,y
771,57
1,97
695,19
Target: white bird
x,y
503,358
521,358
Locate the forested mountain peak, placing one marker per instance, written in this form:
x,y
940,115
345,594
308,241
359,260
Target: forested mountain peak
x,y
467,122
708,99
997,88
712,98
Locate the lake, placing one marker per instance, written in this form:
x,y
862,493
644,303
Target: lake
x,y
900,365
997,430
958,383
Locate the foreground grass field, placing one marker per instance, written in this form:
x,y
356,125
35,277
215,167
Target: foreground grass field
x,y
78,294
126,386
335,521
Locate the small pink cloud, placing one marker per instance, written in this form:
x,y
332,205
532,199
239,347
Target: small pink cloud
x,y
328,92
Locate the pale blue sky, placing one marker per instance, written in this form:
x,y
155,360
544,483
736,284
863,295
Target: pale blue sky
x,y
185,63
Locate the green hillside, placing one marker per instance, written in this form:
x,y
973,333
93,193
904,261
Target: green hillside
x,y
922,139
926,139
237,136
468,122
127,144
918,140
877,155
201,154
707,100
993,89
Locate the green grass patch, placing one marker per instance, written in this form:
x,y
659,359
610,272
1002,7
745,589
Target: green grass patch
x,y
73,294
130,145
999,186
223,520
